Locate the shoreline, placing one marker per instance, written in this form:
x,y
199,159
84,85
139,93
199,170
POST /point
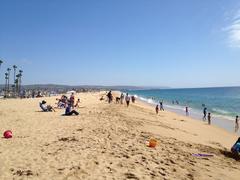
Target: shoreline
x,y
217,120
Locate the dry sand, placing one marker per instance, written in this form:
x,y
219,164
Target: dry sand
x,y
108,142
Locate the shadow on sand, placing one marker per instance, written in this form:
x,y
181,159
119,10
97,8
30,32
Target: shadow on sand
x,y
230,155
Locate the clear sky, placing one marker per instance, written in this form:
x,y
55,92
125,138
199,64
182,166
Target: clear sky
x,y
176,43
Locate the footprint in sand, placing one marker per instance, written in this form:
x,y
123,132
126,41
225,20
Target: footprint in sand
x,y
130,176
23,172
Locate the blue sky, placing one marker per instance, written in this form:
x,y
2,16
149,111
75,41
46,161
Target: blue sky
x,y
187,43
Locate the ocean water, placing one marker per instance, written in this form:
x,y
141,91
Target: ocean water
x,y
223,103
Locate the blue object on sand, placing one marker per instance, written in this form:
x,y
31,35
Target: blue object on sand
x,y
203,155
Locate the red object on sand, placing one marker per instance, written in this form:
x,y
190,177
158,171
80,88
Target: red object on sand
x,y
7,134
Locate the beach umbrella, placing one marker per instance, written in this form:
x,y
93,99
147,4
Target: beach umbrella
x,y
71,92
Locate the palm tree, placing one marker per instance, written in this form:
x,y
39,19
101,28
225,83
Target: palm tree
x,y
14,68
14,78
1,62
8,83
17,83
20,80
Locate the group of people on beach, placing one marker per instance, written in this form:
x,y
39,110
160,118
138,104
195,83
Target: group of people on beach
x,y
159,107
206,115
120,99
64,102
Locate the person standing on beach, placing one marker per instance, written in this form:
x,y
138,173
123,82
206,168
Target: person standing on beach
x,y
236,124
187,111
209,118
72,100
128,100
157,109
205,114
133,99
110,97
122,98
161,106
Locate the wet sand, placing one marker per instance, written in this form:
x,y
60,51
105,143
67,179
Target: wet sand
x,y
107,141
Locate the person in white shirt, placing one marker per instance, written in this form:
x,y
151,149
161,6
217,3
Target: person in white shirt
x,y
127,99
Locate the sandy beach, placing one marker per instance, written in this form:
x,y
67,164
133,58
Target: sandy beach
x,y
108,141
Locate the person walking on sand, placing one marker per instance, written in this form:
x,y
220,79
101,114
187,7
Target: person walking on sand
x,y
157,109
209,118
236,124
161,106
128,100
205,114
187,111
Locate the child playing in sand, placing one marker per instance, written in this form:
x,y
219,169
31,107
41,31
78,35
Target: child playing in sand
x,y
209,118
236,124
157,109
77,103
133,99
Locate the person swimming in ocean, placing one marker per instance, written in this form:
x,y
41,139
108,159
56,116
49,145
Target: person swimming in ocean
x,y
205,114
236,124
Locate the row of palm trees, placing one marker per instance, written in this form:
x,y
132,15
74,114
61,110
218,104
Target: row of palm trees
x,y
15,88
